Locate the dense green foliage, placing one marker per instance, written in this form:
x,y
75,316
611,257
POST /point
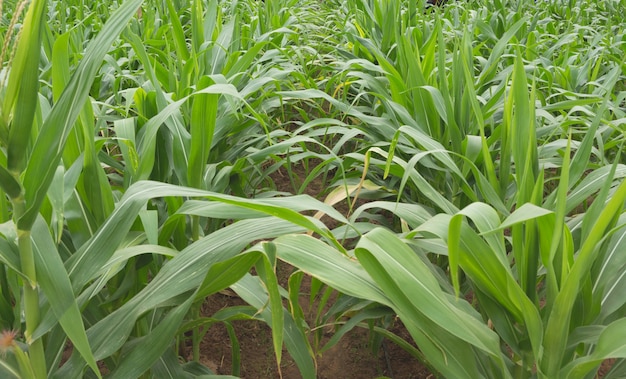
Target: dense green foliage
x,y
477,148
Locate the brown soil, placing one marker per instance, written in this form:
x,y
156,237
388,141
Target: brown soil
x,y
351,358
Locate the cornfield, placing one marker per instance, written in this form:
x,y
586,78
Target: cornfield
x,y
467,158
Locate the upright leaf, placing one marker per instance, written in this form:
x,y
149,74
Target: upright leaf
x,y
203,116
21,98
50,142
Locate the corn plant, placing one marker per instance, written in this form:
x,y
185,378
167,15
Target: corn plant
x,y
508,259
52,169
478,148
549,306
34,148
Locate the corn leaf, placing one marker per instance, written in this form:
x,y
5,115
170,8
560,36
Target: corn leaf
x,y
48,148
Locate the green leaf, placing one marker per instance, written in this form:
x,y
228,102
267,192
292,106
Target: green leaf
x,y
10,255
147,142
267,272
169,367
55,283
21,97
328,265
523,133
488,268
49,145
151,347
223,274
91,256
177,30
9,184
446,352
60,77
203,116
421,287
498,49
611,344
610,279
558,321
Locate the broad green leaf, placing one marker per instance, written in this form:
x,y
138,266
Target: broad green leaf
x,y
223,274
580,160
55,283
523,133
95,186
117,263
197,25
611,344
493,276
125,131
267,272
56,196
203,115
609,273
60,77
147,140
441,348
54,131
91,256
20,100
328,265
524,213
8,367
298,203
420,286
413,214
150,221
149,348
498,50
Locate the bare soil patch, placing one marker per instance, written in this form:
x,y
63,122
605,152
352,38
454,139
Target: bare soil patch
x,y
351,358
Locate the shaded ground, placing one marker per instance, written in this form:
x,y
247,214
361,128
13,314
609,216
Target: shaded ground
x,y
351,358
